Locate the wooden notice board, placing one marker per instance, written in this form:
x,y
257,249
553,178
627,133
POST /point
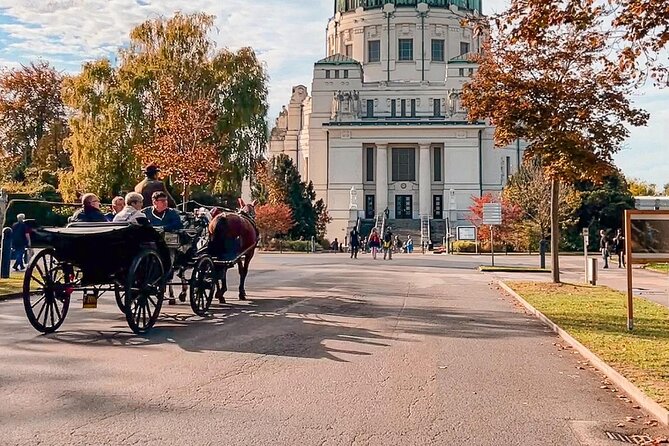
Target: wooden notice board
x,y
646,240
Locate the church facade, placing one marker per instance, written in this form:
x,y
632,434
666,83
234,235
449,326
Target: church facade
x,y
382,129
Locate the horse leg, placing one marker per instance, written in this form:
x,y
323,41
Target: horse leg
x,y
223,287
243,271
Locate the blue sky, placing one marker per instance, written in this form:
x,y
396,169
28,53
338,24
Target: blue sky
x,y
288,35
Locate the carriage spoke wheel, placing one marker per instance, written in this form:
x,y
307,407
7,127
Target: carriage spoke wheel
x,y
144,291
47,286
119,293
202,286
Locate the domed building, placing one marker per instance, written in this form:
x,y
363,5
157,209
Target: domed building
x,y
382,130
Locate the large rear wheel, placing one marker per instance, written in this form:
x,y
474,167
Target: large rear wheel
x,y
202,286
144,291
47,286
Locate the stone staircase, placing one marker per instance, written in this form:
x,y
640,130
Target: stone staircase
x,y
404,228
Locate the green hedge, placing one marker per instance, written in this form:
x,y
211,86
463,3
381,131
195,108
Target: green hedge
x,y
289,245
464,246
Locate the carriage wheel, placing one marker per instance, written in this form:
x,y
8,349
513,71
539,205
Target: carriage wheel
x,y
47,286
144,291
119,293
202,286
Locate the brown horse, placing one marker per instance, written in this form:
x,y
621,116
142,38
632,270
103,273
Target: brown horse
x,y
233,236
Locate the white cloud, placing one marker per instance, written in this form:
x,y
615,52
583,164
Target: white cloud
x,y
288,35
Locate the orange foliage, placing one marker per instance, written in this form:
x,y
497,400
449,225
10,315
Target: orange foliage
x,y
273,219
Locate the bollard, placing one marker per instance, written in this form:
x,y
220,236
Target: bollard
x,y
592,270
6,253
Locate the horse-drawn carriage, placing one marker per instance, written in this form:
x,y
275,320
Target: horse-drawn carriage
x,y
135,262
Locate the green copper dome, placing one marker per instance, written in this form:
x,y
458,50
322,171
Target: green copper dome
x,y
351,5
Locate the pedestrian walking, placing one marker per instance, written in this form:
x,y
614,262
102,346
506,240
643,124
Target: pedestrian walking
x,y
619,247
409,245
398,244
354,242
374,242
388,244
604,247
20,241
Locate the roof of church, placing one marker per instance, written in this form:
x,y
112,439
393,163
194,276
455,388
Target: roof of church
x,y
337,59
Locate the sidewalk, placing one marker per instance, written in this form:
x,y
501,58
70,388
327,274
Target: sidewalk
x,y
650,285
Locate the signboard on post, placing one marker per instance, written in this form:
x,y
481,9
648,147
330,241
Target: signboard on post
x,y
646,240
467,233
492,214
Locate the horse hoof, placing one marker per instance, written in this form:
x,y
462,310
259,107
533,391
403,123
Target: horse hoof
x,y
182,297
242,296
171,302
221,300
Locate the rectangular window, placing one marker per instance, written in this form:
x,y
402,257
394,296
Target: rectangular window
x,y
349,50
413,108
369,164
336,74
464,48
437,164
345,74
404,165
327,74
403,108
508,167
405,49
470,72
393,108
437,108
461,72
437,50
370,108
374,51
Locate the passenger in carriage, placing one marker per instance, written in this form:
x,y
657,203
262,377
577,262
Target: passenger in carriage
x,y
90,211
118,203
160,215
132,210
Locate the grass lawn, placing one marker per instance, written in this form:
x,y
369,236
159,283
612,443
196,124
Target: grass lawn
x,y
511,269
661,267
12,285
597,317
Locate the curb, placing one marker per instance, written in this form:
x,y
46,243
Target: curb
x,y
616,378
10,296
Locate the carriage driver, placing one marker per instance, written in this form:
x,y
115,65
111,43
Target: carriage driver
x,y
160,215
151,184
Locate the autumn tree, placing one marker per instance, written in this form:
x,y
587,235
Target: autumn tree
x,y
273,219
529,190
560,92
122,107
32,120
183,142
504,233
639,188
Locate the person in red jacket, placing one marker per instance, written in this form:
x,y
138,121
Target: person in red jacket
x,y
374,242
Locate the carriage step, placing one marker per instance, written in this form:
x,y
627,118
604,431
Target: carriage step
x,y
90,301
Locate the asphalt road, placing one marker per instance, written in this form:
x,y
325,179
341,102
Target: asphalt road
x,y
327,351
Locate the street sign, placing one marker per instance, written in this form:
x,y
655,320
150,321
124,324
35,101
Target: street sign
x,y
492,214
586,232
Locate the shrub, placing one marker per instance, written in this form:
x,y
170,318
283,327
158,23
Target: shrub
x,y
288,245
464,246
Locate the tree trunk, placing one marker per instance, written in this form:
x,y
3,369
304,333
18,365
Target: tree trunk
x,y
555,230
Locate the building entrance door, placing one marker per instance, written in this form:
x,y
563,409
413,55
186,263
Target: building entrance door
x,y
403,207
369,206
437,207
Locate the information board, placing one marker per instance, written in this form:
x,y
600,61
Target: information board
x,y
648,236
467,233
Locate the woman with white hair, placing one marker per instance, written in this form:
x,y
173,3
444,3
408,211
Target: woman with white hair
x,y
132,210
20,241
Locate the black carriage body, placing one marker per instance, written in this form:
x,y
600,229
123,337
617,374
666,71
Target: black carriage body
x,y
103,252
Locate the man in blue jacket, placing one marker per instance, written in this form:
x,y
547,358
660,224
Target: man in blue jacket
x,y
160,215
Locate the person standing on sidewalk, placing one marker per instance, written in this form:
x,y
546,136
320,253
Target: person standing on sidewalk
x,y
604,247
20,241
388,244
374,242
619,247
354,241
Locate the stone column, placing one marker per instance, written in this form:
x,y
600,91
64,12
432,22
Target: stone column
x,y
381,177
425,181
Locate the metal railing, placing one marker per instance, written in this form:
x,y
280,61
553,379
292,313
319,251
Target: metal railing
x,y
424,230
